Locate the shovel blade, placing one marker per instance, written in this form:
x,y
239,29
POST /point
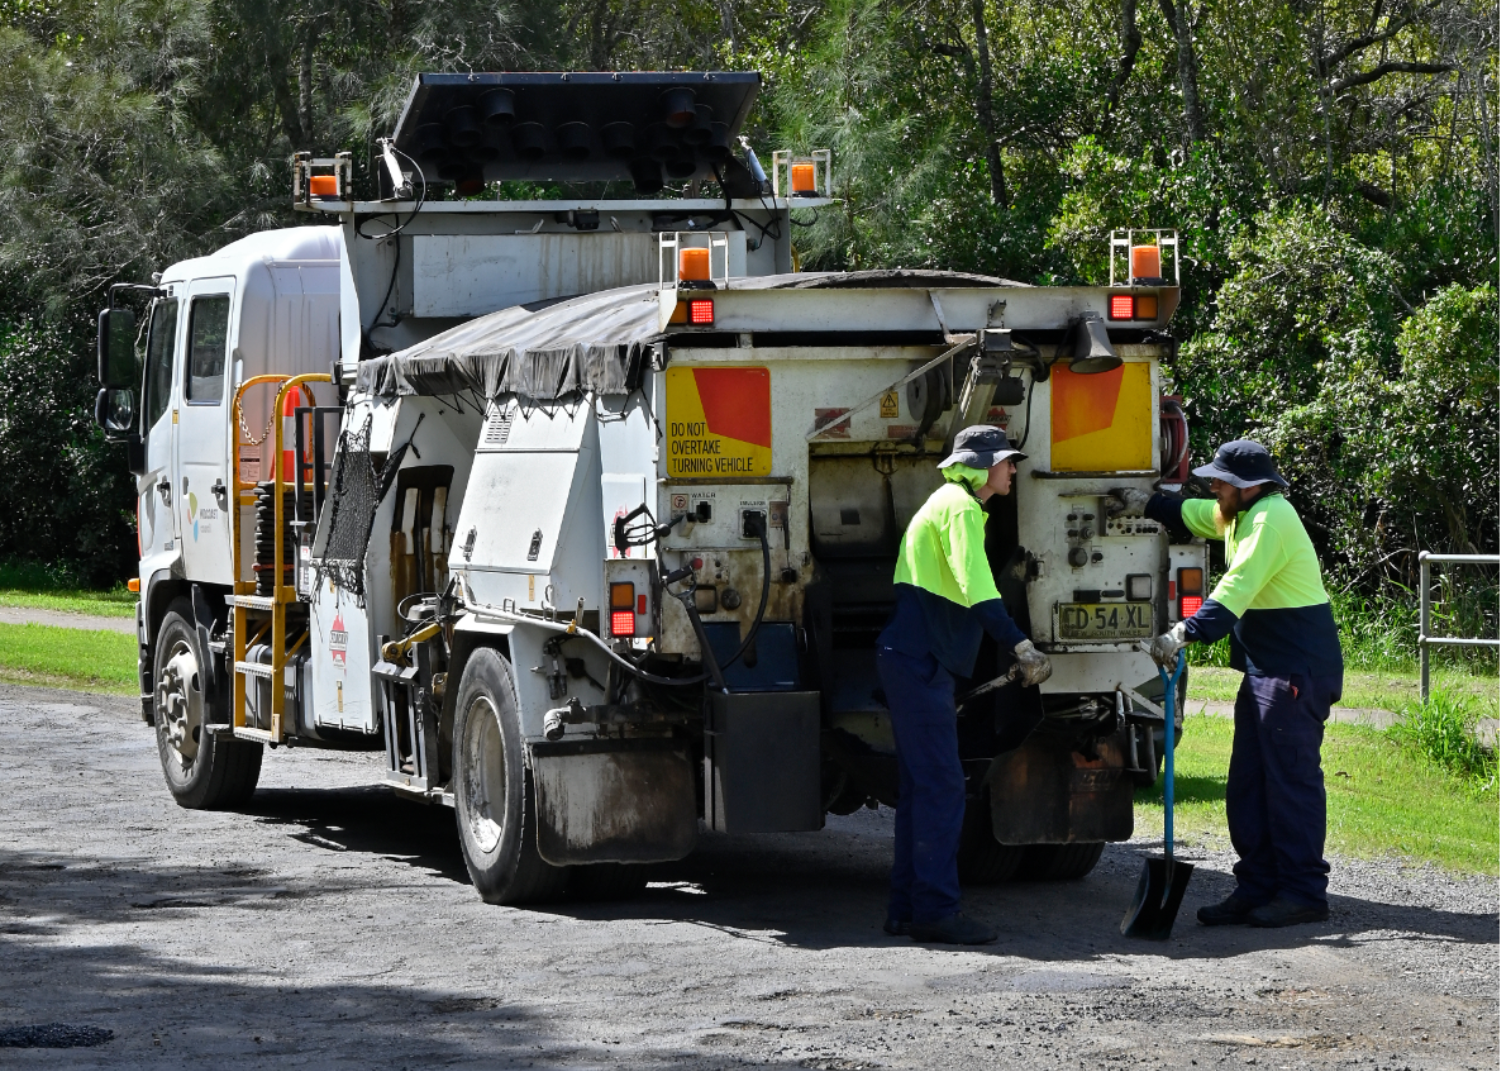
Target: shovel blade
x,y
1157,899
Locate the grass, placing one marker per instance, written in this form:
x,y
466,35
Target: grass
x,y
68,658
1442,730
34,586
1384,800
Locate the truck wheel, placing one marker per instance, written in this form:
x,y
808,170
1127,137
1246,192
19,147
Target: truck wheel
x,y
493,798
602,882
1060,862
982,860
205,771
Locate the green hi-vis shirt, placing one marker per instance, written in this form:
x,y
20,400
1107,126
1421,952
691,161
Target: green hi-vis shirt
x,y
946,597
1272,590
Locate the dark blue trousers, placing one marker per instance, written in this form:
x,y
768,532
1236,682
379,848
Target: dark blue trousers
x,y
930,809
1275,802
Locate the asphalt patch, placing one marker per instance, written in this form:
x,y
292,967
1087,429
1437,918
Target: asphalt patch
x,y
53,1036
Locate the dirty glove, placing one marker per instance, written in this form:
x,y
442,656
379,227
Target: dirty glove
x,y
1032,666
1165,647
1126,502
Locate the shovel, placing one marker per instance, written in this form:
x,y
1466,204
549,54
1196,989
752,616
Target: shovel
x,y
1164,879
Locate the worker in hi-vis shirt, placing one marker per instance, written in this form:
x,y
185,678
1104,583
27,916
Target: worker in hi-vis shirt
x,y
1271,603
946,600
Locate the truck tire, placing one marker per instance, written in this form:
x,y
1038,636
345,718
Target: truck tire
x,y
982,860
1060,862
493,798
204,771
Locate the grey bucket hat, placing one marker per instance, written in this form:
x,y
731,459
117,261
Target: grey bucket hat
x,y
981,447
1243,463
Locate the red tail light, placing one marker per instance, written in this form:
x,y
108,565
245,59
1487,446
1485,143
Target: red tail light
x,y
622,623
701,311
1191,604
1122,306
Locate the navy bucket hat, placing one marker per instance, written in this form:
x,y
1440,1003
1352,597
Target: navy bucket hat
x,y
1243,463
981,447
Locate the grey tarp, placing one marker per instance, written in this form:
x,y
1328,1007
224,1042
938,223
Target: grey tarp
x,y
586,343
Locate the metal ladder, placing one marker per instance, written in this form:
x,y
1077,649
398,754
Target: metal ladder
x,y
267,614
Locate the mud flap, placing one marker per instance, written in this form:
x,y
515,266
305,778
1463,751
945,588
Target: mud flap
x,y
614,801
1042,793
762,763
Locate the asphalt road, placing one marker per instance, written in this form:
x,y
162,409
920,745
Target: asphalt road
x,y
333,925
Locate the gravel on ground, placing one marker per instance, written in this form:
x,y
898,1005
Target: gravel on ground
x,y
332,924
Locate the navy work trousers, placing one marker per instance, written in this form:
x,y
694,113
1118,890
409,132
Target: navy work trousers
x,y
1275,802
930,809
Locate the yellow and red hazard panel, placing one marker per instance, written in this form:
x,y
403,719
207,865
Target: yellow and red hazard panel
x,y
718,422
1102,422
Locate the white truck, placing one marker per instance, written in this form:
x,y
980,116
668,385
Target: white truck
x,y
584,511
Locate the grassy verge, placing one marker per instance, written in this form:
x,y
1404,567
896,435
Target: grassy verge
x,y
1383,800
33,586
1383,689
68,658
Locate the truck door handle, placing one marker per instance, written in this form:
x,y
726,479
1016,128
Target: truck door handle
x,y
221,493
164,487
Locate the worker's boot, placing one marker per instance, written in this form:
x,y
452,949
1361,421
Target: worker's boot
x,y
1231,911
956,929
1281,912
898,927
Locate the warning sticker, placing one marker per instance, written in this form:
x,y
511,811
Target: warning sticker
x,y
890,405
718,422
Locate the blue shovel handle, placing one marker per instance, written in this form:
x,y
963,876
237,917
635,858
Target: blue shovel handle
x,y
1169,705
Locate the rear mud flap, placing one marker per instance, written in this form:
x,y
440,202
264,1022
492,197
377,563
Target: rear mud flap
x,y
763,763
614,801
1045,794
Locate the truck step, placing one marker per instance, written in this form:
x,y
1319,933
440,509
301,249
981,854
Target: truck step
x,y
254,602
261,736
254,669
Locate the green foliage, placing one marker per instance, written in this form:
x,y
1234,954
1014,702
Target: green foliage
x,y
70,499
1331,166
1443,731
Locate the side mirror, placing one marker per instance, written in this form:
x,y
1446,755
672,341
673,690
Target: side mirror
x,y
117,350
114,411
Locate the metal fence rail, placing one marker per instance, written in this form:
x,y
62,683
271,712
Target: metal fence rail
x,y
1424,621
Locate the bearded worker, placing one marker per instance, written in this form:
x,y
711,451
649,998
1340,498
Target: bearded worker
x,y
946,600
1272,604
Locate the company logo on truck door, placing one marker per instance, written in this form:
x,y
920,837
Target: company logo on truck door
x,y
718,422
1102,422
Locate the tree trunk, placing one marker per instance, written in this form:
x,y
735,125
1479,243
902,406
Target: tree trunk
x,y
998,193
1482,84
305,83
1130,46
1179,18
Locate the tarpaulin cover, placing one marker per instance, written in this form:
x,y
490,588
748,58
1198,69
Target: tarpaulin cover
x,y
586,343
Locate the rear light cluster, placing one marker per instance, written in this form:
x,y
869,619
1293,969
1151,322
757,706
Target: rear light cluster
x,y
1189,592
696,311
1132,306
624,605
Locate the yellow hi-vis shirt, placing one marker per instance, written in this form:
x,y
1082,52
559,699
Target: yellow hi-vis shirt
x,y
1271,595
946,597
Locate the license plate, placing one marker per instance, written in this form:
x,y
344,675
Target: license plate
x,y
1104,621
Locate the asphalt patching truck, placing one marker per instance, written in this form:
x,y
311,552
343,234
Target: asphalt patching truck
x,y
584,512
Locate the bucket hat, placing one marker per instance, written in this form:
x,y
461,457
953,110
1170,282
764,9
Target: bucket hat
x,y
1243,463
981,447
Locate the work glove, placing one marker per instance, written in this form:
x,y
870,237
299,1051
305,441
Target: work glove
x,y
1032,666
1165,648
1126,502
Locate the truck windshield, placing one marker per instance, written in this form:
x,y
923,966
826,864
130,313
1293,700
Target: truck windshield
x,y
159,347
